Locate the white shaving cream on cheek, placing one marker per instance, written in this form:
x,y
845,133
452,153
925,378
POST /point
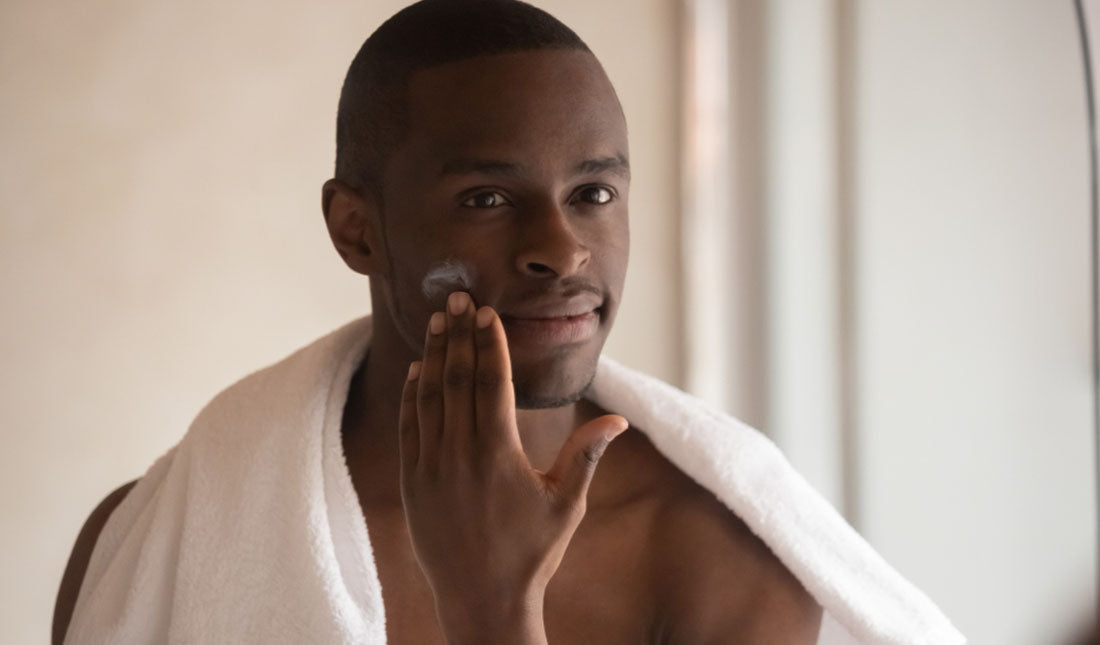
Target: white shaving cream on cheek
x,y
445,277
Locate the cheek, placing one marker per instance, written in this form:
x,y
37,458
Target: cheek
x,y
614,250
446,276
625,243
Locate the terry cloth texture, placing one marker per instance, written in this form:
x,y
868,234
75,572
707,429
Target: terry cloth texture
x,y
249,530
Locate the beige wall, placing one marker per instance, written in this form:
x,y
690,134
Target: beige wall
x,y
160,231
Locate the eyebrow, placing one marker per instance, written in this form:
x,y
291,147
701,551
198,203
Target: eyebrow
x,y
617,164
466,166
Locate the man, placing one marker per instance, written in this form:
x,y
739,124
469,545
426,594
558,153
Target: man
x,y
482,181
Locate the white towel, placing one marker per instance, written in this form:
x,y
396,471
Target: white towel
x,y
249,530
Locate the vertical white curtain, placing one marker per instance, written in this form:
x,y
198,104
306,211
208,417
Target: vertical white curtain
x,y
764,232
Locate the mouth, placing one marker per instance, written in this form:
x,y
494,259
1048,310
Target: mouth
x,y
555,330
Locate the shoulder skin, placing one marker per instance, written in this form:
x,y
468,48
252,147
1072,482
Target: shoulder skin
x,y
78,561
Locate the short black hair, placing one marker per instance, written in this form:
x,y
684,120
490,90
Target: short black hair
x,y
371,118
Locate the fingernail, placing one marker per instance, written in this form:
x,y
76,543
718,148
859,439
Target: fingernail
x,y
458,302
484,317
436,324
414,370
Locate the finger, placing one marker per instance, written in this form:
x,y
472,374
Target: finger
x,y
408,423
576,462
458,373
495,396
429,399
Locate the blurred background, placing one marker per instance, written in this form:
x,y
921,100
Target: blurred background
x,y
860,225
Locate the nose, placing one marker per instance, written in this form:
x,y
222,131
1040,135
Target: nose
x,y
551,248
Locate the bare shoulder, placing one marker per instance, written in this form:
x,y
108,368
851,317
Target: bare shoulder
x,y
78,561
716,581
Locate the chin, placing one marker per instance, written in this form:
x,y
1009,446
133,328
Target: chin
x,y
553,383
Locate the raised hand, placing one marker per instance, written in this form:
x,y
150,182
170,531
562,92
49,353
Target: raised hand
x,y
487,528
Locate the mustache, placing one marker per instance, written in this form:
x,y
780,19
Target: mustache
x,y
563,288
454,275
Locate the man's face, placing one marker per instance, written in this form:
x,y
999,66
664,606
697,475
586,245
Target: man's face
x,y
515,167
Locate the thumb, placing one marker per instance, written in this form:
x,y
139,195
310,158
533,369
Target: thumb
x,y
576,462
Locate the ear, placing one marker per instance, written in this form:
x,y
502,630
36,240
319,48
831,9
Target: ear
x,y
355,227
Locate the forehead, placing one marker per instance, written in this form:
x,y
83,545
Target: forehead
x,y
546,106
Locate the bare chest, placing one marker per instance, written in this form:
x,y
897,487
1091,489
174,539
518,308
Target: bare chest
x,y
601,593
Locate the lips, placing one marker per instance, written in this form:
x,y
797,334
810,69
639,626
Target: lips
x,y
550,308
553,321
552,331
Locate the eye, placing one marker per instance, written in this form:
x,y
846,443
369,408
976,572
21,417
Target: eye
x,y
487,199
595,195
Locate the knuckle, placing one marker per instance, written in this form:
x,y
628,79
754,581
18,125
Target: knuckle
x,y
458,376
591,454
458,328
489,379
484,338
436,346
429,393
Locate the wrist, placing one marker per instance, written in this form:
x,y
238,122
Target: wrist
x,y
475,618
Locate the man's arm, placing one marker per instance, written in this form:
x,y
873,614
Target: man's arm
x,y
78,561
723,584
